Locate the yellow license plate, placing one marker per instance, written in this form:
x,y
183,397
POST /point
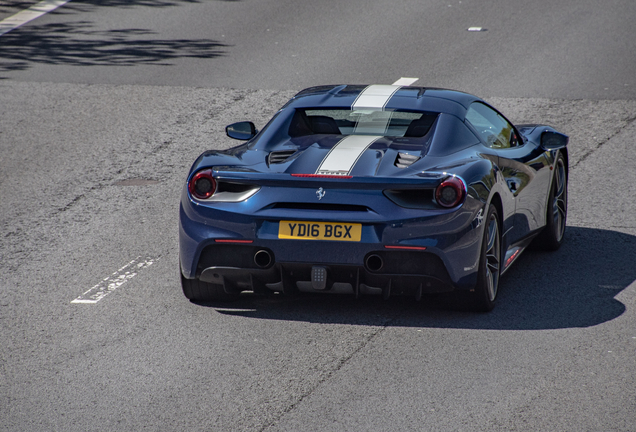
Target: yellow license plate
x,y
303,230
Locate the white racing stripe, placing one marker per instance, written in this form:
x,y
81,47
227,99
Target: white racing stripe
x,y
343,156
405,81
374,97
376,125
114,281
29,14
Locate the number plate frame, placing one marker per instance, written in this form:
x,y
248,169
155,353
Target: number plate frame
x,y
330,231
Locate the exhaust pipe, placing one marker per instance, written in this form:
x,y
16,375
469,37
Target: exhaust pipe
x,y
374,262
263,259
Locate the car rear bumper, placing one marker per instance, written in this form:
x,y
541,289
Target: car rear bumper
x,y
256,268
436,253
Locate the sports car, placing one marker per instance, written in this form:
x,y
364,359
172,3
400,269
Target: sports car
x,y
372,190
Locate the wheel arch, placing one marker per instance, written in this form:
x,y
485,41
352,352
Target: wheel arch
x,y
564,152
497,202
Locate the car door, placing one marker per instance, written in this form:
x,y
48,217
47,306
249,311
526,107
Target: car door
x,y
523,165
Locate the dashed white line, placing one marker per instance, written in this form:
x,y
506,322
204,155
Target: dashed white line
x,y
35,11
114,281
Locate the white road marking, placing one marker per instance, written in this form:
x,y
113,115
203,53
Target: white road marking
x,y
343,156
114,281
405,81
35,11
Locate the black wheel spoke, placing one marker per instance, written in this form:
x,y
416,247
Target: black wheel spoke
x,y
492,237
555,210
560,181
493,263
560,205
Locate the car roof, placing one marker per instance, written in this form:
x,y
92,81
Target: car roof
x,y
405,98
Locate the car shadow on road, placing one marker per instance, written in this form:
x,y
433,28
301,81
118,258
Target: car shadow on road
x,y
573,287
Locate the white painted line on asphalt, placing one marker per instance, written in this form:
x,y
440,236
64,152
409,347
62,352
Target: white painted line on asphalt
x,y
114,281
405,81
35,11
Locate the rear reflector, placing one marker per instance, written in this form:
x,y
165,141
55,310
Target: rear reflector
x,y
233,241
421,248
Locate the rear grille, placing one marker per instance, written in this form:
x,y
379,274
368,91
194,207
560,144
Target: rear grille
x,y
227,255
412,263
413,198
321,207
224,186
281,156
405,160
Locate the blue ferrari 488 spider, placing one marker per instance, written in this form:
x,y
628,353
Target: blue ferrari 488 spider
x,y
372,190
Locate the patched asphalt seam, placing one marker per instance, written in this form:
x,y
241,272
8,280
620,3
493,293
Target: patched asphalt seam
x,y
343,361
628,123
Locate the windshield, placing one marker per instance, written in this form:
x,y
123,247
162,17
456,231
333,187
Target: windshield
x,y
311,121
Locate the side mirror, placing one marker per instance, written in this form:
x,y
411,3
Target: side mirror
x,y
241,131
553,140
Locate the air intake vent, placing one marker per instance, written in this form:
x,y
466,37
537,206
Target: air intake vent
x,y
281,156
405,160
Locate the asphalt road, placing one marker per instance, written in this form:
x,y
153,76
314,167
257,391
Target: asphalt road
x,y
573,49
105,104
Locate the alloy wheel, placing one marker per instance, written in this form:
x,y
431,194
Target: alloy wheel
x,y
493,255
559,205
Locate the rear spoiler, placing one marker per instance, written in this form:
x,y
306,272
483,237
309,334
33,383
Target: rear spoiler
x,y
417,181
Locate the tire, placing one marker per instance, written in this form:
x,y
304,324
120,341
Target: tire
x,y
199,291
551,238
485,293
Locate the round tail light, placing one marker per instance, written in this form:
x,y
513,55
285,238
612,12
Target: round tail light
x,y
451,192
202,185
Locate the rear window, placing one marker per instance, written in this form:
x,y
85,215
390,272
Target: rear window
x,y
361,122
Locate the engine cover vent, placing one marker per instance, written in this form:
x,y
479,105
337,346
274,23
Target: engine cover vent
x,y
280,156
405,160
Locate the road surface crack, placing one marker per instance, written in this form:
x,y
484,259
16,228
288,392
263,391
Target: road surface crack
x,y
587,154
339,365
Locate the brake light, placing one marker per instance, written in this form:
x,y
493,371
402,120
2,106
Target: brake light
x,y
322,176
202,185
451,192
